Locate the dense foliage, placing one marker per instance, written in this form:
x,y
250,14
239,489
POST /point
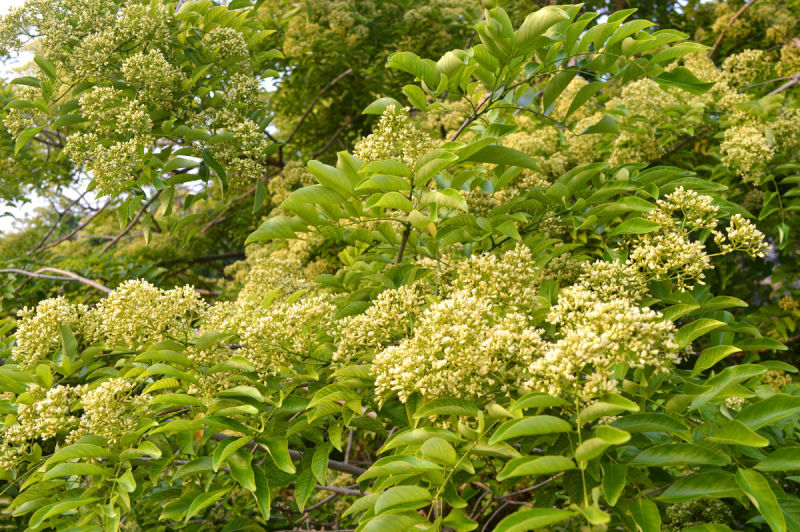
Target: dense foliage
x,y
389,266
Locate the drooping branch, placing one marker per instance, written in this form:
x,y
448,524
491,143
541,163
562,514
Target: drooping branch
x,y
725,29
66,276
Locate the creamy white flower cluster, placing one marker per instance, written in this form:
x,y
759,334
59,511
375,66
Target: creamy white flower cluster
x,y
460,348
44,415
108,409
746,150
394,137
39,329
391,317
598,339
672,253
137,314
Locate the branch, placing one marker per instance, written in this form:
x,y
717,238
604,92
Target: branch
x,y
131,224
333,464
57,222
471,118
730,22
794,80
207,258
310,107
72,233
67,276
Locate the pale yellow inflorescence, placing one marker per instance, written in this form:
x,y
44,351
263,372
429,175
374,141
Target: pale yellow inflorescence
x,y
138,313
508,281
597,336
746,150
460,348
110,410
39,329
46,414
741,235
394,137
391,317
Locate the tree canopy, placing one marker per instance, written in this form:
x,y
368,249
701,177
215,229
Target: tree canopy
x,y
389,266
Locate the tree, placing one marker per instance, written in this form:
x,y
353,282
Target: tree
x,y
489,290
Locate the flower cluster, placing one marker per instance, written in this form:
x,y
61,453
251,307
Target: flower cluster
x,y
138,313
43,415
460,348
746,150
110,410
394,137
509,281
39,329
391,317
742,235
596,338
157,80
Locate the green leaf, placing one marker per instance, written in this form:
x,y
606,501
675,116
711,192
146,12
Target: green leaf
x,y
607,124
75,469
46,67
226,448
278,448
260,196
583,95
590,449
535,466
769,411
757,489
691,331
650,422
393,523
203,501
69,345
529,426
710,356
679,50
785,459
241,467
614,480
714,484
403,497
316,194
277,227
610,405
399,465
176,399
331,177
25,137
59,507
675,454
388,167
727,377
645,513
261,493
447,407
737,433
394,200
501,155
532,519
636,226
536,400
438,450
379,106
218,169
683,78
319,462
181,162
556,86
78,450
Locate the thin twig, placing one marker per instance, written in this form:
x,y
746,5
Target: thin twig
x,y
725,29
794,80
67,276
310,107
56,224
132,223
